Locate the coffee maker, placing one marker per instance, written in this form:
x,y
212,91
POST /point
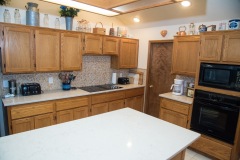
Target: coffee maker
x,y
177,87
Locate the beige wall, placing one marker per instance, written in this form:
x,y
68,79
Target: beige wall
x,y
50,8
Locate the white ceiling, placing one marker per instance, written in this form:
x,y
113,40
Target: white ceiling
x,y
199,11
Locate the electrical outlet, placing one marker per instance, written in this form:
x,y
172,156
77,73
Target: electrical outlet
x,y
50,80
5,83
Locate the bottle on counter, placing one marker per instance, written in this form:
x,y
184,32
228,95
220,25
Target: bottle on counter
x,y
17,16
46,20
57,23
7,16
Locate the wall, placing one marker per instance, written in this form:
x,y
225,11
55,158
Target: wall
x,y
96,70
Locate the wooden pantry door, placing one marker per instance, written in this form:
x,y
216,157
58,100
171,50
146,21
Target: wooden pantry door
x,y
159,78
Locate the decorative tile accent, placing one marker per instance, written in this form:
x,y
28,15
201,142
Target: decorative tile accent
x,y
96,70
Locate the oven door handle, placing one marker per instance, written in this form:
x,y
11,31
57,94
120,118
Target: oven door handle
x,y
232,109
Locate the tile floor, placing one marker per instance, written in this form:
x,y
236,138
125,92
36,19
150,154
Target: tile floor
x,y
191,155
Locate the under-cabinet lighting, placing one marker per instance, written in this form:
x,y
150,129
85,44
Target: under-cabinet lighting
x,y
83,6
136,19
185,3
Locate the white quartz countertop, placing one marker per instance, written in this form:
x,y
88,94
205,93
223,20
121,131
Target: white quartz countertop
x,y
58,94
181,98
124,134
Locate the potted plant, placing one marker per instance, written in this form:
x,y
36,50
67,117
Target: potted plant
x,y
66,79
69,13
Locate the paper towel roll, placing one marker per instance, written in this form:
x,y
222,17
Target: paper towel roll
x,y
114,78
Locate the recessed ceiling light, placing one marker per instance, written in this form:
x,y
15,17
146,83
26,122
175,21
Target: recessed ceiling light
x,y
136,19
185,3
78,5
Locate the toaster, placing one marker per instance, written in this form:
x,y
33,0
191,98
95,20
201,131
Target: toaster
x,y
123,80
30,89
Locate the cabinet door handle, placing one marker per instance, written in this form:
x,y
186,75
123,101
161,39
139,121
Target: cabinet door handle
x,y
151,86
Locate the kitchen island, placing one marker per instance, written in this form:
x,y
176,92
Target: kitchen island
x,y
117,135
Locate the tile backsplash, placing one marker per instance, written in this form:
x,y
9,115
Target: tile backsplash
x,y
96,70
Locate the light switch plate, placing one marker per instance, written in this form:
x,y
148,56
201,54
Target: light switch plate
x,y
50,80
5,83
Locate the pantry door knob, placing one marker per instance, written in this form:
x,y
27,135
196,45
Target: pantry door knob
x,y
151,86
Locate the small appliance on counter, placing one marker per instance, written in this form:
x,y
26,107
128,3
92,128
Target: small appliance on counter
x,y
12,84
123,80
30,89
177,87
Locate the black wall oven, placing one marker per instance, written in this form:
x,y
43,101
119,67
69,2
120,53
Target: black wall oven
x,y
215,115
221,76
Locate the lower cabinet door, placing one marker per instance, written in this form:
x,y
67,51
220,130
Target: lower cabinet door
x,y
173,117
81,112
64,116
115,105
43,120
135,103
22,125
99,108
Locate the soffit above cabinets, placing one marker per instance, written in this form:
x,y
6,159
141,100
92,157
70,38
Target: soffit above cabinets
x,y
127,6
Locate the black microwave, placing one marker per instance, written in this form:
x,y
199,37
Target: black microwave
x,y
223,76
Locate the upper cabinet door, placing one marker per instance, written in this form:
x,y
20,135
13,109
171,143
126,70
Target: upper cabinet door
x,y
18,50
128,53
185,55
71,51
47,50
92,44
211,47
110,46
231,50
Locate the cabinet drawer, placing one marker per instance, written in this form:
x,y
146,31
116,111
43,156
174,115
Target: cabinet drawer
x,y
175,106
31,109
212,148
71,103
106,97
115,96
134,92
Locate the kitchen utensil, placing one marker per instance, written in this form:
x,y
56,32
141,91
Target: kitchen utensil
x,y
164,33
182,30
202,28
177,87
97,30
234,24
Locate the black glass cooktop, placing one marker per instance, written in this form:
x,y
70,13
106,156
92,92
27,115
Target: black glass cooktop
x,y
98,88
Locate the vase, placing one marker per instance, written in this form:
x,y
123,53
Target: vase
x,y
66,86
69,23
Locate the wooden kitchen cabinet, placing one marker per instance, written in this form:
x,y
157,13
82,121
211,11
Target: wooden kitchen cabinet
x,y
185,55
18,49
47,44
64,116
92,44
128,55
221,46
22,125
99,108
30,116
134,99
72,109
174,112
43,120
115,105
71,51
110,46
